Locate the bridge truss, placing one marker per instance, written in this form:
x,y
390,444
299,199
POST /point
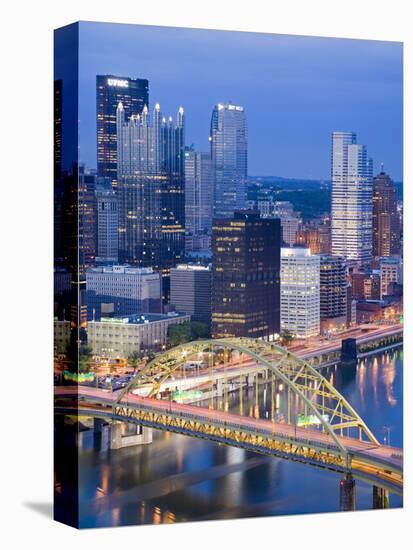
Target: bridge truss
x,y
307,388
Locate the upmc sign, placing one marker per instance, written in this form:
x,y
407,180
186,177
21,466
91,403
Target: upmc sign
x,y
117,82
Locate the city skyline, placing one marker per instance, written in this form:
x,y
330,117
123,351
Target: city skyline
x,y
306,92
191,301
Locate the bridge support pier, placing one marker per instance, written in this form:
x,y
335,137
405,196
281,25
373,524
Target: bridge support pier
x,y
380,498
98,424
347,494
124,434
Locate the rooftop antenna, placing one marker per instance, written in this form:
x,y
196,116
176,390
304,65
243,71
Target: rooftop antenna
x,y
382,167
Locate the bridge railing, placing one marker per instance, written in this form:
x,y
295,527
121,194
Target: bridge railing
x,y
215,420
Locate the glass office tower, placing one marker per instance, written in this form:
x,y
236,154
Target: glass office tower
x,y
198,192
229,144
351,198
110,90
151,188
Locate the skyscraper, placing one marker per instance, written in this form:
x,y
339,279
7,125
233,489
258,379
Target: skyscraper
x,y
228,138
57,127
333,292
300,292
107,226
386,219
110,90
246,276
351,198
151,189
87,219
57,168
198,192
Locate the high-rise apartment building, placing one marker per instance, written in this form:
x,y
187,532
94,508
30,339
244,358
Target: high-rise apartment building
x,y
300,292
245,276
333,292
107,226
351,198
191,291
198,192
133,93
229,144
122,290
386,218
151,189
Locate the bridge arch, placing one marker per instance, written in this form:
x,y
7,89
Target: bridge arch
x,y
333,411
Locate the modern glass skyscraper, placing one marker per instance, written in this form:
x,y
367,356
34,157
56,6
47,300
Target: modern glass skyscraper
x,y
198,192
110,90
229,146
151,188
351,198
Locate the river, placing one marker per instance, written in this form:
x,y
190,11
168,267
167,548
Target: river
x,y
178,478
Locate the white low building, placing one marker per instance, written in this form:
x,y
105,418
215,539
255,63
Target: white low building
x,y
121,336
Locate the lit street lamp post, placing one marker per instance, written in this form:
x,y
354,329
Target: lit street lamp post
x,y
387,439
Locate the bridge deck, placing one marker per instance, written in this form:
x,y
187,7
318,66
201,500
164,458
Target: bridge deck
x,y
378,456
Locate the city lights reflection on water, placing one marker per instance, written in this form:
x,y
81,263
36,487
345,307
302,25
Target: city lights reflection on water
x,y
177,478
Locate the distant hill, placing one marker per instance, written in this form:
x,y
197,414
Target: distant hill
x,y
306,196
310,197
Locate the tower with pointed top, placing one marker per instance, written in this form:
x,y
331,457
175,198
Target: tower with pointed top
x,y
133,93
151,188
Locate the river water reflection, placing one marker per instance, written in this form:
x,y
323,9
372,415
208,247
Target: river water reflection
x,y
178,478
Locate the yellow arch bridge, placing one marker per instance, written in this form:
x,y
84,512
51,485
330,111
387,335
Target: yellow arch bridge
x,y
318,425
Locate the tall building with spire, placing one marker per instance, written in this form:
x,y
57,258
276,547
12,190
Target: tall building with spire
x,y
229,145
110,90
351,198
151,188
386,218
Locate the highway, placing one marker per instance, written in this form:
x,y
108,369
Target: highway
x,y
317,348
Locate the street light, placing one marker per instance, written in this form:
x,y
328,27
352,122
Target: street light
x,y
388,430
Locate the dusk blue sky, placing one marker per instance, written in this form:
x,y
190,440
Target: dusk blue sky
x,y
296,90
